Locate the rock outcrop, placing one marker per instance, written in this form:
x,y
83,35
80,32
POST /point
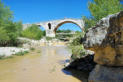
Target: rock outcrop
x,y
82,64
106,40
106,74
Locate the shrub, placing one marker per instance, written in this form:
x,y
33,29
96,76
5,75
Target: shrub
x,y
76,46
21,53
33,32
32,48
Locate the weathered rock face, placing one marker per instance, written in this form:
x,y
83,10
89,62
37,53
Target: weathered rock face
x,y
83,64
106,40
106,74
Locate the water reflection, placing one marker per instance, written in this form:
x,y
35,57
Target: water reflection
x,y
81,75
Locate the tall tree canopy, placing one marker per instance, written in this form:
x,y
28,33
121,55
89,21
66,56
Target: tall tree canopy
x,y
5,13
100,9
9,30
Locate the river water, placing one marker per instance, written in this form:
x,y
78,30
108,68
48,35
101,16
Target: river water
x,y
43,65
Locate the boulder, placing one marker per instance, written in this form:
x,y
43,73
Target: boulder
x,y
106,40
106,74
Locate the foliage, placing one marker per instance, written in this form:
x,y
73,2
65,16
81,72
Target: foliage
x,y
3,35
100,9
89,22
2,56
77,51
76,46
33,32
21,53
5,13
65,35
63,31
49,38
32,48
9,30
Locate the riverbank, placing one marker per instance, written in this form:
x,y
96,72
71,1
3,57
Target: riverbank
x,y
43,65
9,51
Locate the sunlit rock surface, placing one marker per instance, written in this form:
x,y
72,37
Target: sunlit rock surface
x,y
106,40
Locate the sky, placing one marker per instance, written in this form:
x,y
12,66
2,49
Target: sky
x,y
32,11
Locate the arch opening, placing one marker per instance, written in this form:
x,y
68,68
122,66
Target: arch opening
x,y
49,25
66,22
66,30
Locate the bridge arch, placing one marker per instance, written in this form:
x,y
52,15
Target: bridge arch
x,y
79,24
51,26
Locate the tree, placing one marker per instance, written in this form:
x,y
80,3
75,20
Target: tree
x,y
100,9
9,30
33,32
5,13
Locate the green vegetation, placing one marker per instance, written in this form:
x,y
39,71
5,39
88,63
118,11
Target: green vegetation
x,y
76,46
9,30
63,31
32,48
65,34
100,9
49,38
4,57
21,53
38,51
33,32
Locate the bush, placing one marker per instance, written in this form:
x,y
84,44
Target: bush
x,y
32,48
9,34
21,53
76,46
78,51
33,32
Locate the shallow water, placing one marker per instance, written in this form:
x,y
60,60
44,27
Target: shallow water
x,y
46,66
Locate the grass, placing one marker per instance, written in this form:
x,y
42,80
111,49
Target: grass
x,y
38,51
21,53
4,57
49,38
32,49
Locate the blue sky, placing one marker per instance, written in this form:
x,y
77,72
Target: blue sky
x,y
31,11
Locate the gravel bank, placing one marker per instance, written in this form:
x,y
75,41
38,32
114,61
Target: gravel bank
x,y
8,51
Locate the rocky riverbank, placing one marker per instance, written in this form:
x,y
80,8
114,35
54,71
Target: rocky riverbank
x,y
9,51
106,40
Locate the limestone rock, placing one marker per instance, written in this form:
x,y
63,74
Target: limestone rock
x,y
106,40
106,74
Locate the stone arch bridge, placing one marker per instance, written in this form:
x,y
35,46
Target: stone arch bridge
x,y
52,26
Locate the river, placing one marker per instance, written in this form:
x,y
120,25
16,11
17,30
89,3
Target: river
x,y
43,65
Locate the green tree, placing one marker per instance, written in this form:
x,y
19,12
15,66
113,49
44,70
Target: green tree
x,y
3,35
9,30
100,9
33,32
5,14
